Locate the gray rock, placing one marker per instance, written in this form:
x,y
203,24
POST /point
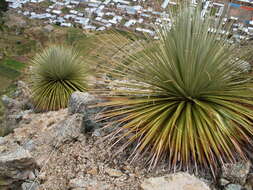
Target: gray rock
x,y
19,116
15,163
80,183
16,108
30,145
66,130
2,140
233,187
81,102
236,173
98,133
224,182
10,103
31,176
178,181
30,186
113,172
13,117
22,92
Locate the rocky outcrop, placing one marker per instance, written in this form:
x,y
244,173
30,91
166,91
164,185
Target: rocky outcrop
x,y
16,164
37,140
47,131
16,107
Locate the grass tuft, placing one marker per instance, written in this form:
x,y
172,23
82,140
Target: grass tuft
x,y
185,98
57,72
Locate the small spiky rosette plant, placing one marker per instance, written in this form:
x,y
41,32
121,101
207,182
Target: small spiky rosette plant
x,y
186,98
56,73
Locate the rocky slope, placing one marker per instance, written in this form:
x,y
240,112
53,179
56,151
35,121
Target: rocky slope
x,y
66,150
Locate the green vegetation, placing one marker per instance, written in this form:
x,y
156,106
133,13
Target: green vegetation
x,y
26,47
65,10
130,35
57,72
13,45
9,70
74,35
80,9
188,99
45,4
14,64
213,11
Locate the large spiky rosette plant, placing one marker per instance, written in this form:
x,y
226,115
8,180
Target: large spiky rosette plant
x,y
56,73
186,98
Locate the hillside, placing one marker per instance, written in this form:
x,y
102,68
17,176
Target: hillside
x,y
88,109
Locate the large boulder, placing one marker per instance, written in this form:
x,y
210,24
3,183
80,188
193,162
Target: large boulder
x,y
178,181
84,103
16,164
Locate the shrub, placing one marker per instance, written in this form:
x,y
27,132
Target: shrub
x,y
74,36
57,72
187,99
